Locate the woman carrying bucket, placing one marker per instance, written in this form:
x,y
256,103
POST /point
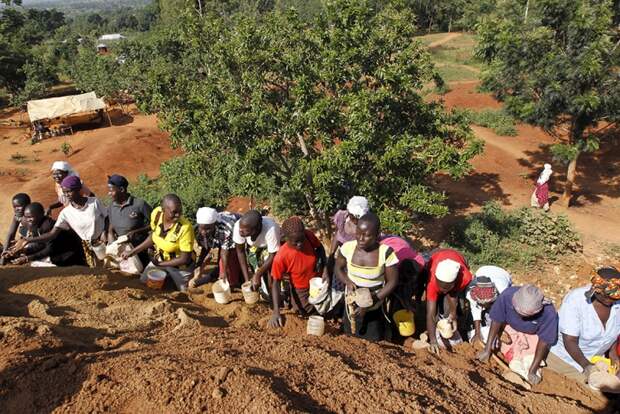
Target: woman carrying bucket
x,y
300,259
370,272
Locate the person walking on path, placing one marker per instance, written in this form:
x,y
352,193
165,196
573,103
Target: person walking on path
x,y
540,196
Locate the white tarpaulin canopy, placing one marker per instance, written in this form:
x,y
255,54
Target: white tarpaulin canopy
x,y
62,106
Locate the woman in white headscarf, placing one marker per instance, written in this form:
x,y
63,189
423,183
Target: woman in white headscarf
x,y
540,196
61,170
345,223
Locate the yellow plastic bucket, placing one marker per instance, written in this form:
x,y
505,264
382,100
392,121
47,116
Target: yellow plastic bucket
x,y
404,321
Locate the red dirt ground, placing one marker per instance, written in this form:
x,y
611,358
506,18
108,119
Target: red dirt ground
x,y
134,145
81,342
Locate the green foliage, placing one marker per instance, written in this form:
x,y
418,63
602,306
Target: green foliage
x,y
513,239
498,120
304,115
66,148
558,68
99,73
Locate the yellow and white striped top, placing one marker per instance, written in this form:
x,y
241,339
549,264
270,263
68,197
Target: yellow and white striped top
x,y
365,276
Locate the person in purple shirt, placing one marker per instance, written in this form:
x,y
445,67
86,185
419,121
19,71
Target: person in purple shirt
x,y
526,310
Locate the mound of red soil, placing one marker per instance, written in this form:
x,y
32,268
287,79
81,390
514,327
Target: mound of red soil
x,y
78,341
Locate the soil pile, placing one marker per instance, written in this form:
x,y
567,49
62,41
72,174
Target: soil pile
x,y
78,341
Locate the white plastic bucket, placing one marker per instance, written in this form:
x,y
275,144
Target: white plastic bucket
x,y
316,325
445,328
318,289
250,296
221,292
99,250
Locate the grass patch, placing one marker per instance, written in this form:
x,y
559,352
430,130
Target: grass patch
x,y
452,73
513,239
18,158
498,120
430,38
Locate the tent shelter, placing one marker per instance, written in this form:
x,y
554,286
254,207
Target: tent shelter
x,y
63,112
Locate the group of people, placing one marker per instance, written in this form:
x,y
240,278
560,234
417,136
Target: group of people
x,y
365,277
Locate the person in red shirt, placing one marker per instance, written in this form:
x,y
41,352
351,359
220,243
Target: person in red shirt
x,y
300,259
449,275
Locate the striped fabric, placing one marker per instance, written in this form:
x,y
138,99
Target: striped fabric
x,y
364,276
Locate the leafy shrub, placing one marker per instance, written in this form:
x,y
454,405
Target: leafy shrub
x,y
513,238
66,148
496,119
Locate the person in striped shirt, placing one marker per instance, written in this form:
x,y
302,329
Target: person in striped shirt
x,y
364,263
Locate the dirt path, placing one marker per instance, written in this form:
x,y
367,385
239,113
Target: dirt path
x,y
509,166
449,37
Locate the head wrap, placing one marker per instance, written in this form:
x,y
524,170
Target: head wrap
x,y
545,174
447,270
358,206
63,166
483,291
72,182
605,281
528,300
206,215
118,181
292,225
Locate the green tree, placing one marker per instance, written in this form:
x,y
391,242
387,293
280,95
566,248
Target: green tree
x,y
304,115
98,73
556,68
39,78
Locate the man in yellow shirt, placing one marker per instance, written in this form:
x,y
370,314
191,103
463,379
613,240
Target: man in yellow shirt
x,y
172,239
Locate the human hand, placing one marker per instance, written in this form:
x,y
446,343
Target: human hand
x,y
533,378
275,321
477,341
127,254
484,355
433,347
20,260
192,283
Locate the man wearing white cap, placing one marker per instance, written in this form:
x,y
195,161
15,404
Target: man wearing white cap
x,y
449,276
61,170
215,231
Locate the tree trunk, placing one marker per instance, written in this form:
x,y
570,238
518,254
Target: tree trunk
x,y
450,24
571,172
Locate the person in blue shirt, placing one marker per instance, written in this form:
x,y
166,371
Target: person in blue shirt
x,y
524,309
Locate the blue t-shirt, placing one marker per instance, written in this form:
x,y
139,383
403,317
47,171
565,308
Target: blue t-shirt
x,y
544,325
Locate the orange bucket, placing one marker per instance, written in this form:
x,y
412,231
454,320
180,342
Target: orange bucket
x,y
156,279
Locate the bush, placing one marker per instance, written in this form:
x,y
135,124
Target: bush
x,y
512,239
496,119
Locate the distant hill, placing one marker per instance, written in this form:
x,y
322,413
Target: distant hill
x,y
73,7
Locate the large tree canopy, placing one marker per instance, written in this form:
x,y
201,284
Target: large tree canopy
x,y
555,66
303,115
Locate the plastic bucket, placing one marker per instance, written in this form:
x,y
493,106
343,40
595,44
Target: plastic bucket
x,y
250,296
316,326
445,328
155,278
404,321
99,250
221,291
316,285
